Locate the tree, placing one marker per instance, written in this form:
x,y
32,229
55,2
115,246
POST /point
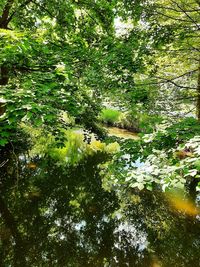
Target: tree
x,y
60,60
173,29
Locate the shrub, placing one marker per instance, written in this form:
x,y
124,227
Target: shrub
x,y
110,116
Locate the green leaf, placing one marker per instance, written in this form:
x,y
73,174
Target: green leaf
x,y
3,142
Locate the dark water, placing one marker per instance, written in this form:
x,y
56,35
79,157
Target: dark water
x,y
56,216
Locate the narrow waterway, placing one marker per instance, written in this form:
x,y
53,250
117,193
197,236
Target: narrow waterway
x,y
122,133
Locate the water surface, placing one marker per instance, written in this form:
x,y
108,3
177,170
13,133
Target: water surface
x,y
57,216
122,133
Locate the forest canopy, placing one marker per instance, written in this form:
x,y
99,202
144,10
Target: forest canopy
x,y
66,57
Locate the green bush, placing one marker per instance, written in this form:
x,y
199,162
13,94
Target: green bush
x,y
110,116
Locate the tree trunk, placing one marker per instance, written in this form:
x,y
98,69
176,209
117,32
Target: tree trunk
x,y
3,81
4,20
4,77
198,94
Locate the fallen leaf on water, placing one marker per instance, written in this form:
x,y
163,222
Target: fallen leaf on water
x,y
182,204
31,165
156,264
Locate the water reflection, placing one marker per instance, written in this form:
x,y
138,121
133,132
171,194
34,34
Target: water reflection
x,y
56,216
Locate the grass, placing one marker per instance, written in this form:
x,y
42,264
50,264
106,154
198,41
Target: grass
x,y
138,122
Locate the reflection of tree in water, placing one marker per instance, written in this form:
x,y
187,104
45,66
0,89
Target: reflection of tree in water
x,y
55,216
173,237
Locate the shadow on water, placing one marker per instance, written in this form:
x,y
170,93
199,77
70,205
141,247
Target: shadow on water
x,y
56,216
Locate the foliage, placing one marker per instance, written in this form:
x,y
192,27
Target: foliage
x,y
175,32
167,158
148,123
169,172
59,61
110,116
174,134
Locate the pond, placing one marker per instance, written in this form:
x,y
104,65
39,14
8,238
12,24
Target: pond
x,y
57,216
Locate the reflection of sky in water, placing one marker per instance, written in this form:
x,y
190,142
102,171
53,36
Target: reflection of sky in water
x,y
133,236
80,225
124,233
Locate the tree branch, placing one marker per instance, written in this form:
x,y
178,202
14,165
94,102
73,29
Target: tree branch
x,y
43,8
174,83
176,10
165,80
184,74
170,17
19,8
185,12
